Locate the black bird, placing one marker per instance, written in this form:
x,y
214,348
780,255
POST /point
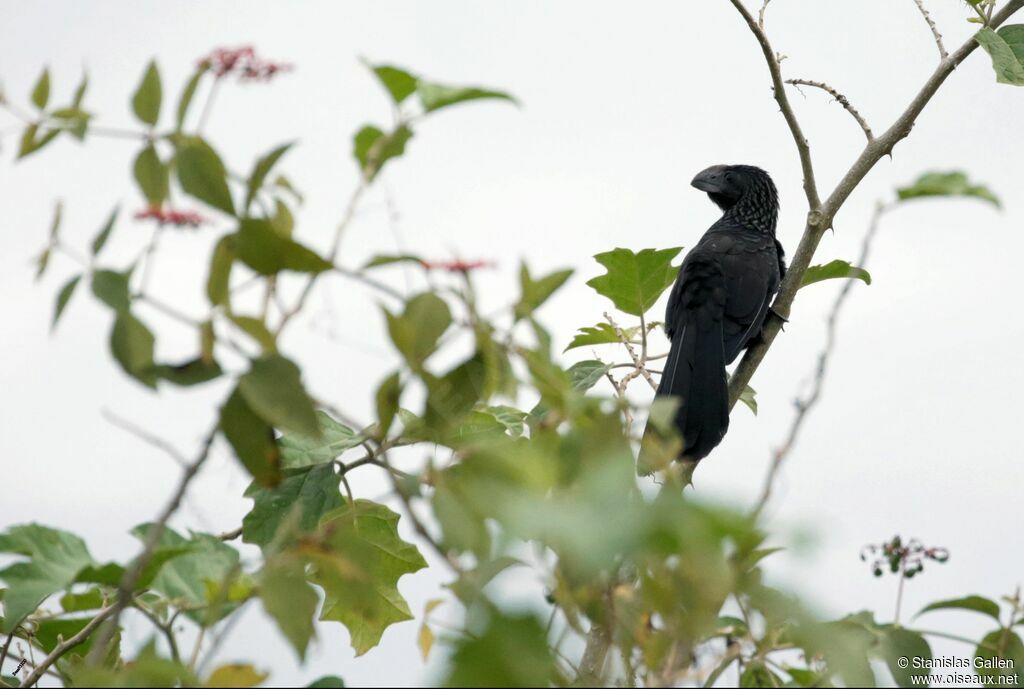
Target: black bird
x,y
720,300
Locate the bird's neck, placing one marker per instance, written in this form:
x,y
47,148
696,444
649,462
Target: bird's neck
x,y
757,210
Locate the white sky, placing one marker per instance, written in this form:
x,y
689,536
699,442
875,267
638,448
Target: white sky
x,y
918,430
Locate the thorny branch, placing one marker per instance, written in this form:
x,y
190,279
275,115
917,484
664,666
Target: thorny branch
x,y
804,404
839,98
935,30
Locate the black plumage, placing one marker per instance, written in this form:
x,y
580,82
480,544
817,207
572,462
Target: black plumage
x,y
720,300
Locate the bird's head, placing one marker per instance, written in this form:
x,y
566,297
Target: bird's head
x,y
727,184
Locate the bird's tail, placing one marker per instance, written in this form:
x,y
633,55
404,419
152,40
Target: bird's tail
x,y
695,374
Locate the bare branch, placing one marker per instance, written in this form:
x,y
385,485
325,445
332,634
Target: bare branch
x,y
804,404
126,588
802,146
638,362
839,98
230,535
935,30
64,646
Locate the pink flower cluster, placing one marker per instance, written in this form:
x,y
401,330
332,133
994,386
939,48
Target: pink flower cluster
x,y
458,265
242,62
168,216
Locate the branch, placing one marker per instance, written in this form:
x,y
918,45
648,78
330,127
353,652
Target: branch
x,y
339,232
935,30
819,217
804,405
64,646
146,437
126,588
840,98
803,148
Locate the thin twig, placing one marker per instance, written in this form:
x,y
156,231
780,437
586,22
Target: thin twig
x,y
803,405
230,535
935,30
760,15
638,363
839,98
166,629
126,588
64,646
145,436
339,232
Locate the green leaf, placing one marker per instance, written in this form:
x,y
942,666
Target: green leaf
x,y
363,559
976,603
185,579
63,297
757,675
104,234
437,96
189,373
264,250
310,494
387,398
260,171
835,269
73,120
390,259
152,176
900,643
148,669
536,292
299,451
600,333
749,398
83,85
1007,646
41,91
946,184
273,389
634,281
511,652
111,287
132,345
202,174
585,374
185,100
399,83
289,600
235,675
30,144
91,599
218,284
327,682
257,330
1007,64
54,559
146,101
453,395
417,329
252,439
372,148
1013,34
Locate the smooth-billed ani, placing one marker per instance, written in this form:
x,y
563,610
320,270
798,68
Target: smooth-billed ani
x,y
720,300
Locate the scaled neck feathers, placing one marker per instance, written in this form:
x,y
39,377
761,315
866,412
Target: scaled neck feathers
x,y
758,207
